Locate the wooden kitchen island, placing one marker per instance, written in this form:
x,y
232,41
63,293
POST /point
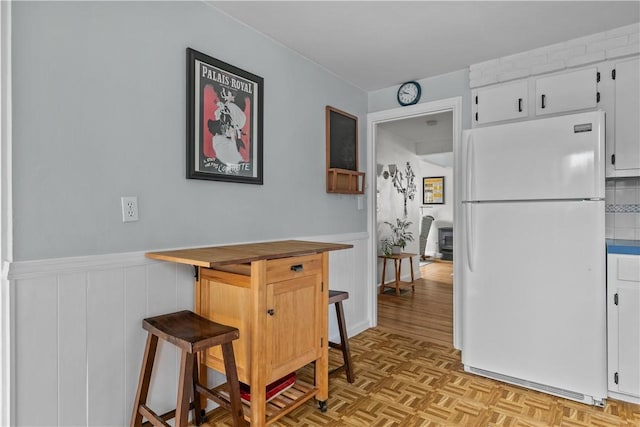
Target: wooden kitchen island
x,y
276,294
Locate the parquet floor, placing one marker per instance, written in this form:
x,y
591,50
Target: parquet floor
x,y
408,374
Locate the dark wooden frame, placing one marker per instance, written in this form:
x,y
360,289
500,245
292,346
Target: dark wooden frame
x,y
424,190
342,152
209,82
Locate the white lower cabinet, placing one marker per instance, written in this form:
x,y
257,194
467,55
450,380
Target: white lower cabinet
x,y
623,326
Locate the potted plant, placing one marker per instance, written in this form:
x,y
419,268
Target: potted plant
x,y
400,235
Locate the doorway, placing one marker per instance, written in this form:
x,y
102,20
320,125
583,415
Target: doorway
x,y
381,160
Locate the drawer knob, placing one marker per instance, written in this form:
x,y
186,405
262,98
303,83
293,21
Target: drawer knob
x,y
297,268
271,312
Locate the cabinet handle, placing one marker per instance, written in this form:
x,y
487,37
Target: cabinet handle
x,y
271,312
297,268
544,99
519,105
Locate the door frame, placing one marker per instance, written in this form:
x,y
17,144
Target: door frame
x,y
7,359
373,119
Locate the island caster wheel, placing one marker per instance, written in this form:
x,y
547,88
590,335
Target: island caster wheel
x,y
322,404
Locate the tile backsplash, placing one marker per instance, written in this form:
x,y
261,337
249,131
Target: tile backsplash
x,y
622,214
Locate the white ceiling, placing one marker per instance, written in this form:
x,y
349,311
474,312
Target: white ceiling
x,y
378,44
431,136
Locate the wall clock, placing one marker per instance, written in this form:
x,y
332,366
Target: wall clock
x,y
409,93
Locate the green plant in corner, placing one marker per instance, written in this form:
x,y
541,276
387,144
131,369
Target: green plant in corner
x,y
400,235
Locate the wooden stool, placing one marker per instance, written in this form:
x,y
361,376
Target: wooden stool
x,y
191,333
336,297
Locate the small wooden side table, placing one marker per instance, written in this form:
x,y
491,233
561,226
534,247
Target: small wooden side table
x,y
397,263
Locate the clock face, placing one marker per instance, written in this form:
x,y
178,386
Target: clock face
x,y
409,93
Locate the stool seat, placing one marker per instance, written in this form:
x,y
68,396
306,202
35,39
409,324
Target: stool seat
x,y
336,298
191,333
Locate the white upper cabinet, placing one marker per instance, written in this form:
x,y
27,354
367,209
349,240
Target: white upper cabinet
x,y
576,90
611,86
536,97
501,102
626,146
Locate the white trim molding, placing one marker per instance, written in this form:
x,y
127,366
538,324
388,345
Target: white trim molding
x,y
6,217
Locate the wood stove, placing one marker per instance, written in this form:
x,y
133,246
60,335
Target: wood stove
x,y
445,242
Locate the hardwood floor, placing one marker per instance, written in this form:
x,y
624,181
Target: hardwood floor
x,y
427,315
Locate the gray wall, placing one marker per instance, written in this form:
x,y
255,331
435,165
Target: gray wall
x,y
435,88
99,113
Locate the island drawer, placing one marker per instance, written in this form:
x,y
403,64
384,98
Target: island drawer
x,y
293,267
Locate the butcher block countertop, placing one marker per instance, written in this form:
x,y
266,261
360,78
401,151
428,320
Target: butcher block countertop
x,y
215,256
625,247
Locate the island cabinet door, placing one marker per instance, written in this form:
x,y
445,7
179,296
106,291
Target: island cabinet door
x,y
293,324
225,298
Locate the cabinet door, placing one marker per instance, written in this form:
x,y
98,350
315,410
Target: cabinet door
x,y
623,283
559,93
226,298
629,339
503,102
627,111
293,324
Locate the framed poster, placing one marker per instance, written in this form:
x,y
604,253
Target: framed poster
x,y
433,190
224,121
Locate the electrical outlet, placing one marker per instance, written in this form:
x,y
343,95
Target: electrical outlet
x,y
129,208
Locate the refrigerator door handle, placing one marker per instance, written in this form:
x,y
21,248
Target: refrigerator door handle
x,y
468,168
469,237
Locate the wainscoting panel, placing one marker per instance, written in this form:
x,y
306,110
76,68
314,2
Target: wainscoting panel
x,y
78,339
135,303
36,352
105,347
72,348
347,272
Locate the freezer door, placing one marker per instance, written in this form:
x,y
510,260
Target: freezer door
x,y
534,287
555,158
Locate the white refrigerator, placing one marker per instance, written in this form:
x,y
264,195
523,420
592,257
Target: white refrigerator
x,y
533,255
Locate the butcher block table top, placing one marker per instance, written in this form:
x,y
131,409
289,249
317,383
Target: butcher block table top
x,y
244,253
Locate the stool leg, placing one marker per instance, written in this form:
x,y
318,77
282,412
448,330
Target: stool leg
x,y
344,342
234,385
185,388
203,379
197,406
145,379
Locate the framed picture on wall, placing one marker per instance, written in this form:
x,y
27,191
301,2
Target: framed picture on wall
x,y
433,190
224,121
